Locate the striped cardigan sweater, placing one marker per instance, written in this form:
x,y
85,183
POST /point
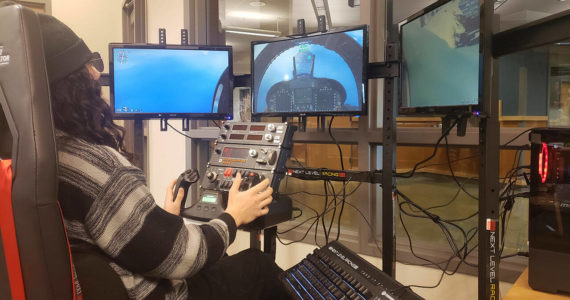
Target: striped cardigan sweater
x,y
106,203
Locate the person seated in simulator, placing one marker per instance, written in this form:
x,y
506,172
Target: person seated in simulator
x,y
107,205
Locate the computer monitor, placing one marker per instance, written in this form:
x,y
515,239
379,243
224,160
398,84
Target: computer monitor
x,y
441,61
150,81
320,74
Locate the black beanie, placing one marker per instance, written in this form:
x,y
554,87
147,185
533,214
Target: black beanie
x,y
64,51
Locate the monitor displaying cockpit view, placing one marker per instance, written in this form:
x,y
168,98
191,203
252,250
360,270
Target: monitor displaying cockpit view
x,y
185,82
440,57
320,74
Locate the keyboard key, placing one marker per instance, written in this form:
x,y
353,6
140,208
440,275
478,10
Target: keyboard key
x,y
298,288
307,285
328,273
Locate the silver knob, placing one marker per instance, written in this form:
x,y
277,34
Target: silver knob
x,y
212,176
271,127
252,153
268,137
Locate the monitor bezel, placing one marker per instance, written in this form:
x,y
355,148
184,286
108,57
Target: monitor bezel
x,y
365,48
441,110
195,116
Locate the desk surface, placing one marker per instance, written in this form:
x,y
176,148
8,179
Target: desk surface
x,y
522,291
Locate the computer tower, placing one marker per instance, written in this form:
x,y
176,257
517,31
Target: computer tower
x,y
549,210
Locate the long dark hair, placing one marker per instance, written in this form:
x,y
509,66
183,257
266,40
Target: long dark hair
x,y
81,112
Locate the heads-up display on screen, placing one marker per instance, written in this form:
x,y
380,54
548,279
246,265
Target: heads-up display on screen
x,y
320,74
150,82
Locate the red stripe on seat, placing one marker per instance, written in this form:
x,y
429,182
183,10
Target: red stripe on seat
x,y
9,232
77,292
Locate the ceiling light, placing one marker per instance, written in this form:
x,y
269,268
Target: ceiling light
x,y
257,3
252,31
250,15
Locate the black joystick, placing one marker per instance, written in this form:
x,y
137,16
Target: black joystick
x,y
185,180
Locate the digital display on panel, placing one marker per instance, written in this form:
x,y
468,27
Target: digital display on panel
x,y
257,128
254,137
152,82
232,152
440,57
320,74
239,127
236,136
209,198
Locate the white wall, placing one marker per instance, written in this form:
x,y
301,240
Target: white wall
x,y
166,150
97,22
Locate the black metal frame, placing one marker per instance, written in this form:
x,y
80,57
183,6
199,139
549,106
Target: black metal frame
x,y
489,128
488,287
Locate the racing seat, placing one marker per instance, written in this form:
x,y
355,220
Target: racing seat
x,y
35,257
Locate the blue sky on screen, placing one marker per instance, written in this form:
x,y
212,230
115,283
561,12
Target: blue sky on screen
x,y
167,80
328,64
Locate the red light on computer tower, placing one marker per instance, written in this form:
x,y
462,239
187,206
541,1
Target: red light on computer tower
x,y
543,163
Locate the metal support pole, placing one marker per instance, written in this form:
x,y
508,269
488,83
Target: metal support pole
x,y
489,128
254,239
270,241
138,144
389,155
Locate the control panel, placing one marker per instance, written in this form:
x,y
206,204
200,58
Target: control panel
x,y
256,151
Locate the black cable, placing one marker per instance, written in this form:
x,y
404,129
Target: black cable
x,y
322,195
299,240
178,131
344,184
459,252
298,162
337,144
334,210
453,173
317,216
452,199
515,254
516,137
217,124
455,160
299,210
413,171
369,225
323,214
296,226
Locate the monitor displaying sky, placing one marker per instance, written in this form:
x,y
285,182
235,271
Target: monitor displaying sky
x,y
170,80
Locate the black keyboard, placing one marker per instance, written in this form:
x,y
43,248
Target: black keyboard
x,y
335,272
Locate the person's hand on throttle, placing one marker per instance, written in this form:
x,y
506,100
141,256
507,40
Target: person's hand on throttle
x,y
172,205
246,206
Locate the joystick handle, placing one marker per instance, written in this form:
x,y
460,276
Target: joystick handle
x,y
185,180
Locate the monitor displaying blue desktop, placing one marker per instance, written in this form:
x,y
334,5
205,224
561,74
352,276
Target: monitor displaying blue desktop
x,y
320,74
441,60
186,82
